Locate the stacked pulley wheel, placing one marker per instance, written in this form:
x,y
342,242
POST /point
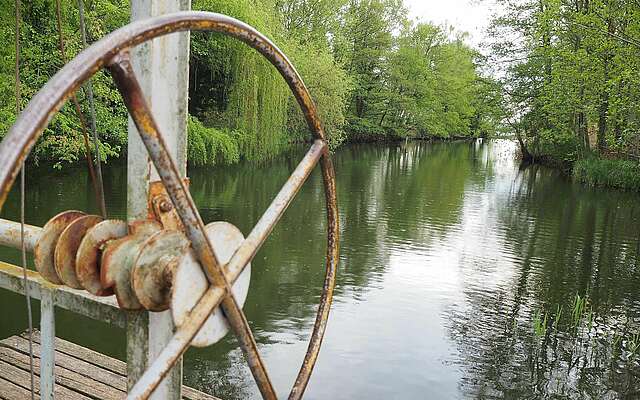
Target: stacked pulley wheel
x,y
144,265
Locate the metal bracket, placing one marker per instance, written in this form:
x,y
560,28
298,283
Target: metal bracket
x,y
161,208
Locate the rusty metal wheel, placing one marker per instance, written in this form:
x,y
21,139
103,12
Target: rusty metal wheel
x,y
112,53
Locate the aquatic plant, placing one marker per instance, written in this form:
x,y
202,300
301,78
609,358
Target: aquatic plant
x,y
540,324
579,304
623,174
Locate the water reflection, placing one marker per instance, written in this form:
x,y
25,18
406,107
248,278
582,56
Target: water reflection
x,y
451,257
554,240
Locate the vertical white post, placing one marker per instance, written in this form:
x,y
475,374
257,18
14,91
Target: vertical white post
x,y
162,67
47,344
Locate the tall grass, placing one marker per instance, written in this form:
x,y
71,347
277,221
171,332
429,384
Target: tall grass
x,y
578,326
623,174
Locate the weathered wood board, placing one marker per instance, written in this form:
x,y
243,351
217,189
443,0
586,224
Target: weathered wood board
x,y
81,373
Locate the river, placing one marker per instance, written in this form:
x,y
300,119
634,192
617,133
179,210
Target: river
x,y
462,276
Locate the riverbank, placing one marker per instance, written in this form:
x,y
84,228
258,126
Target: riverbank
x,y
595,171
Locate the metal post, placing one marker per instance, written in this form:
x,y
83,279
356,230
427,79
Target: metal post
x,y
47,343
162,68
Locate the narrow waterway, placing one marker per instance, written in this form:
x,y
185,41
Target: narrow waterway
x,y
462,276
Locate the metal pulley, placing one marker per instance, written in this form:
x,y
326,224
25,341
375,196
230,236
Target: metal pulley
x,y
189,283
118,259
145,265
44,251
88,256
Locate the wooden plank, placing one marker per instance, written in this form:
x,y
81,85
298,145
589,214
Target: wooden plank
x,y
88,355
11,391
21,378
64,377
64,360
111,365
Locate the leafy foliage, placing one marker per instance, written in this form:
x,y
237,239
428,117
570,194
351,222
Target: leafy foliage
x,y
210,146
373,73
571,80
62,141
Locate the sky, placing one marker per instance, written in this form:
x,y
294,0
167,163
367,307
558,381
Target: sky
x,y
471,16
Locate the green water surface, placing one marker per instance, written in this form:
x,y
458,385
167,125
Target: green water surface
x,y
452,258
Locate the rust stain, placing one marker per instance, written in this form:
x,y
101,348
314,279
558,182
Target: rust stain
x,y
87,263
67,248
161,208
152,273
118,258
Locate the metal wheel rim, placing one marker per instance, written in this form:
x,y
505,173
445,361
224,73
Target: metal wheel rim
x,y
22,136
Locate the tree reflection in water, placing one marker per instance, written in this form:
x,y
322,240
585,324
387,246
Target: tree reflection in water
x,y
564,241
452,258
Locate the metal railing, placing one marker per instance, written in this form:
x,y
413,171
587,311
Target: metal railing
x,y
103,309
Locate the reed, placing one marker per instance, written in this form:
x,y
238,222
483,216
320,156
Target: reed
x,y
623,174
540,321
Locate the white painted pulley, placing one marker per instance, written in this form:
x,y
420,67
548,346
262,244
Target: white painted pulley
x,y
190,283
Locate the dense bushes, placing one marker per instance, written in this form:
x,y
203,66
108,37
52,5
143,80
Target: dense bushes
x,y
210,146
555,147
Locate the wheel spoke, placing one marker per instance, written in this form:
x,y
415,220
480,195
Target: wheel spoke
x,y
274,212
124,76
177,344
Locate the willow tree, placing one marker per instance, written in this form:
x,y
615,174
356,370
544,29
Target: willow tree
x,y
234,87
312,28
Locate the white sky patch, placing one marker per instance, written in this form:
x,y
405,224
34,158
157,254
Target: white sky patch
x,y
470,16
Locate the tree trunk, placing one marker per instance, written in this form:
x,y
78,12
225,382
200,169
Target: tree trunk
x,y
526,156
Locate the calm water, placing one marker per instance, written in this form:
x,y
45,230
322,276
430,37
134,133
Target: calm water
x,y
453,258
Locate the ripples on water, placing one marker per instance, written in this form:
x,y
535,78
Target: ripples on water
x,y
450,256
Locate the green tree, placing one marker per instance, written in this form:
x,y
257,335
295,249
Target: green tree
x,y
41,59
571,76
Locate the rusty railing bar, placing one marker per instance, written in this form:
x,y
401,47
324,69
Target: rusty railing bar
x,y
81,302
124,76
10,234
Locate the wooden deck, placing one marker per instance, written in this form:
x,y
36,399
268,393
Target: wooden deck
x,y
81,373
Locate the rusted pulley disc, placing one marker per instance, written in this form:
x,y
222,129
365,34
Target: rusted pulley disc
x,y
190,283
117,262
44,252
89,252
153,269
67,248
